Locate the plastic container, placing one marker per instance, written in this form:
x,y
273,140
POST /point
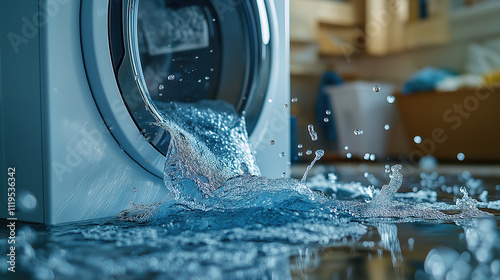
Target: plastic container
x,y
357,106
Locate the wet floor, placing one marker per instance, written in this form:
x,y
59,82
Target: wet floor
x,y
298,242
370,258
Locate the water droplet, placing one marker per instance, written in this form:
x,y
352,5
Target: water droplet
x,y
299,146
213,19
376,88
134,189
417,139
282,154
387,126
161,87
283,175
463,190
295,99
211,51
319,153
299,154
372,157
269,100
366,156
348,155
411,242
460,156
207,78
28,200
199,81
285,106
196,57
312,133
328,112
212,69
366,174
160,94
428,163
326,119
391,99
387,168
309,152
171,77
346,148
271,142
358,132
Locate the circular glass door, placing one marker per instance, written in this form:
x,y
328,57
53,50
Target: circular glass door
x,y
187,51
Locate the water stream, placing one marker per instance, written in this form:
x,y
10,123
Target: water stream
x,y
225,221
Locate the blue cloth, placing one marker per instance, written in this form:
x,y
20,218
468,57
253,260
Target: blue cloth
x,y
425,79
423,11
323,103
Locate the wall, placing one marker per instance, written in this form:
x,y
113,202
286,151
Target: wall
x,y
467,25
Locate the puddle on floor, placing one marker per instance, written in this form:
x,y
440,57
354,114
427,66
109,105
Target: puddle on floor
x,y
269,243
224,221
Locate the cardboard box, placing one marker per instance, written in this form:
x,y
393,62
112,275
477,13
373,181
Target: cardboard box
x,y
465,121
385,26
305,15
338,40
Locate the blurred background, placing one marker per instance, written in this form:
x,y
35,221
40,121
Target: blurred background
x,y
396,80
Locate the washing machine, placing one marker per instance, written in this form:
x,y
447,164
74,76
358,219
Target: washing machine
x,y
80,81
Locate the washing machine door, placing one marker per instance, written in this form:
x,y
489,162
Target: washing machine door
x,y
140,54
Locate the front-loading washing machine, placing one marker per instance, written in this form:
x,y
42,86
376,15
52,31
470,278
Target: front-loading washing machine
x,y
79,81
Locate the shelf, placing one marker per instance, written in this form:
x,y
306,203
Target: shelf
x,y
305,15
475,22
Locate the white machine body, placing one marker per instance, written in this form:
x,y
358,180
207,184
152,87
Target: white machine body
x,y
67,129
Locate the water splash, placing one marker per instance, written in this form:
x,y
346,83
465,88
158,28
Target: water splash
x,y
210,166
245,226
312,133
208,145
389,240
319,155
468,205
386,195
234,202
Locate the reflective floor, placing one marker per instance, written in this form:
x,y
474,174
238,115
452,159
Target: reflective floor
x,y
394,249
297,242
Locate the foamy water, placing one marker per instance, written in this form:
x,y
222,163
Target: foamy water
x,y
224,221
210,166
